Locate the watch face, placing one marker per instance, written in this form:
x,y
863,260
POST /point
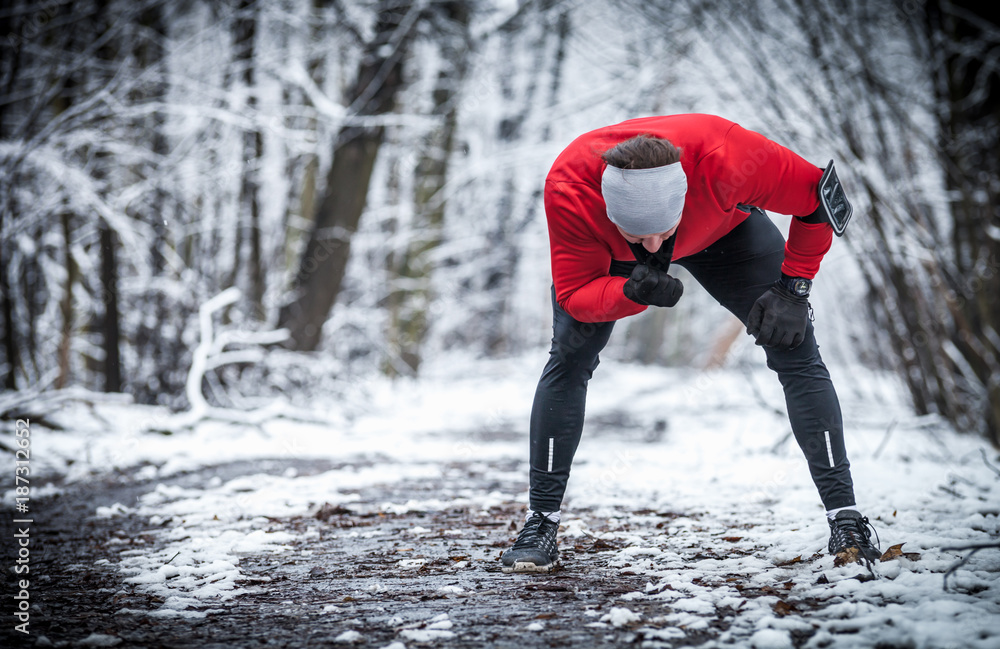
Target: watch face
x,y
801,286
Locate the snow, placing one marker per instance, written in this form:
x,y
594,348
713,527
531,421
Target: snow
x,y
619,616
348,637
100,640
426,635
738,499
770,639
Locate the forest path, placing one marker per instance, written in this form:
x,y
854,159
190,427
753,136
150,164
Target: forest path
x,y
364,576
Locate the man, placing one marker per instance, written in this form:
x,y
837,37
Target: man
x,y
621,203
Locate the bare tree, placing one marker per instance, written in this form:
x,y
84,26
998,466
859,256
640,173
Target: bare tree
x,y
248,262
373,94
411,294
965,48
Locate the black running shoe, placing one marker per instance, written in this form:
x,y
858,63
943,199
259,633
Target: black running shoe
x,y
850,539
535,549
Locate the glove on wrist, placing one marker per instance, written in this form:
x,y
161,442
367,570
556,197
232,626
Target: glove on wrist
x,y
648,286
779,318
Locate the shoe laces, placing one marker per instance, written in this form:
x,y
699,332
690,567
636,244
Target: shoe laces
x,y
533,528
857,530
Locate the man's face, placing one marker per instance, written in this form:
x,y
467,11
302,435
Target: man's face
x,y
651,242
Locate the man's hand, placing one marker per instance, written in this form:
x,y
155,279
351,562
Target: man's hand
x,y
649,286
778,319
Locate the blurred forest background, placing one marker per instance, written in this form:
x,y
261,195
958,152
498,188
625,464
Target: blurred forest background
x,y
367,175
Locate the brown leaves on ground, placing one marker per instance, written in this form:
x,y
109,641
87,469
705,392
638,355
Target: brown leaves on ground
x,y
852,555
599,545
844,557
782,608
896,551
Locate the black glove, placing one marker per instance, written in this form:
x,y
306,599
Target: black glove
x,y
778,318
659,260
651,286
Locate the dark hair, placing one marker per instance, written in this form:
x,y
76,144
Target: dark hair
x,y
642,152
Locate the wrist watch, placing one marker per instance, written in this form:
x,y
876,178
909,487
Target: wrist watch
x,y
798,286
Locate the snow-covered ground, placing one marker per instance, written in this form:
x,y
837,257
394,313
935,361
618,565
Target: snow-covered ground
x,y
707,452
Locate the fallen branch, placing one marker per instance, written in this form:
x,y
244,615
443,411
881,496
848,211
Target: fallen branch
x,y
975,547
210,354
982,451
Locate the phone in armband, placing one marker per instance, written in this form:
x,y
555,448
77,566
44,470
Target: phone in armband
x,y
834,201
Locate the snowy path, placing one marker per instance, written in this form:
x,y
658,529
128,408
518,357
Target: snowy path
x,y
690,521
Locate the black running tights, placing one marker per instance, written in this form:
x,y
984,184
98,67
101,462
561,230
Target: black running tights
x,y
735,270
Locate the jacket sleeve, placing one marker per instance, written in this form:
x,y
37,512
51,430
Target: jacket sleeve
x,y
762,173
580,260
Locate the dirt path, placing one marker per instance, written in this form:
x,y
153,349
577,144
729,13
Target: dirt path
x,y
419,578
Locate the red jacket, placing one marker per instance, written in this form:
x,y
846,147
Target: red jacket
x,y
725,165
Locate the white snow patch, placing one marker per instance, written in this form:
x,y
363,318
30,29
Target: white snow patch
x,y
620,616
770,639
100,640
441,621
117,509
350,636
411,563
426,635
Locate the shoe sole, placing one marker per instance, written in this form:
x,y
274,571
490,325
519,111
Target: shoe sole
x,y
527,566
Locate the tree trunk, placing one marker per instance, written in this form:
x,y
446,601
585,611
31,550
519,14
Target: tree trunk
x,y
409,305
322,267
9,334
155,346
109,323
968,88
248,246
8,26
66,307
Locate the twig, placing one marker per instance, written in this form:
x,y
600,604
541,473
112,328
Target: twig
x,y
976,547
781,442
951,492
982,451
171,558
757,393
885,440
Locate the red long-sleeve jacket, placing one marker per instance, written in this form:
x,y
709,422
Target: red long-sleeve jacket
x,y
726,165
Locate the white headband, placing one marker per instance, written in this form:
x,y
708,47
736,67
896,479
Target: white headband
x,y
644,201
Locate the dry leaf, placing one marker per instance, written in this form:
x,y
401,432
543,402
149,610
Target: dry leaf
x,y
892,552
850,555
896,551
789,562
732,539
782,608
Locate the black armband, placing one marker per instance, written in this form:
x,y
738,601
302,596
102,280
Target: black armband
x,y
834,208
